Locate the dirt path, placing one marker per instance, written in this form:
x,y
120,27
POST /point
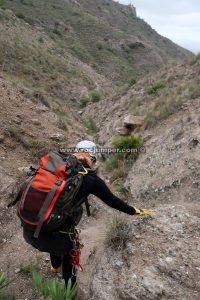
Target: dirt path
x,y
18,258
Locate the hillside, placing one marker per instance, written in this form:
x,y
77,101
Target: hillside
x,y
31,59
156,257
155,97
29,129
103,34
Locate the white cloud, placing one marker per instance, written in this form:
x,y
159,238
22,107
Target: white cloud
x,y
179,20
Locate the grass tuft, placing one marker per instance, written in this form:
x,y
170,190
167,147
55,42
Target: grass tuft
x,y
91,126
119,233
156,87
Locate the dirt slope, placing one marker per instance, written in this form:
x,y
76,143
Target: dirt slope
x,y
178,85
161,259
28,129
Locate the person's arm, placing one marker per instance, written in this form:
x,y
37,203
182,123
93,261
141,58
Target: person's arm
x,y
101,191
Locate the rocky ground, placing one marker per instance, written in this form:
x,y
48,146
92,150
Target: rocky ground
x,y
161,259
161,256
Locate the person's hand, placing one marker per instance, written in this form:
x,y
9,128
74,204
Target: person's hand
x,y
142,212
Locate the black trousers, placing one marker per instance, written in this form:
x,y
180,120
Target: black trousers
x,y
67,269
58,245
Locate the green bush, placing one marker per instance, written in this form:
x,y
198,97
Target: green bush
x,y
128,142
156,87
95,96
53,289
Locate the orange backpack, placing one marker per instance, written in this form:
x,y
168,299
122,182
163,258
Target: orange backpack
x,y
48,197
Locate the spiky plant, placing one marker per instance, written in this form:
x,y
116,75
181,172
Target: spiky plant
x,y
53,289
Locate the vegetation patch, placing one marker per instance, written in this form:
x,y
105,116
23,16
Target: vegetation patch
x,y
128,144
95,96
111,163
119,187
156,87
53,289
84,101
39,148
63,119
127,150
16,133
5,292
91,126
119,233
163,109
194,91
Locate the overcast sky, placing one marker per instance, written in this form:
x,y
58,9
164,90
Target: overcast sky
x,y
179,20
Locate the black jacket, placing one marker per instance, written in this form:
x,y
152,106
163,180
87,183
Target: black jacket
x,y
57,242
94,185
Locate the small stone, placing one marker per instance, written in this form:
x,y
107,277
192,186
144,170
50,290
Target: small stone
x,y
193,143
119,264
35,121
41,109
132,122
57,136
147,137
17,121
17,271
169,259
24,169
80,112
1,138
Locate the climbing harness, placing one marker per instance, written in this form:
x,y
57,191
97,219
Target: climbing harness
x,y
75,252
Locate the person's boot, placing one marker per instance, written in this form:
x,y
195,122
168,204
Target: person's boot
x,y
55,270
